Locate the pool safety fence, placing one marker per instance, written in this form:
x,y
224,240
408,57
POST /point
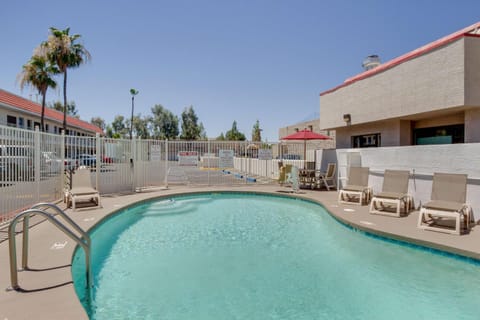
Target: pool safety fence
x,y
38,167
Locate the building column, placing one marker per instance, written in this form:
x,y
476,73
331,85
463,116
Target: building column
x,y
472,125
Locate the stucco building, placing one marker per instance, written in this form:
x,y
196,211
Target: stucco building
x,y
428,96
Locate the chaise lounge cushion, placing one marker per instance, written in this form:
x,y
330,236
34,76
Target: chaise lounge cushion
x,y
390,195
354,188
444,205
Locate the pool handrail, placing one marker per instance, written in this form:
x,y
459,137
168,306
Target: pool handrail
x,y
84,242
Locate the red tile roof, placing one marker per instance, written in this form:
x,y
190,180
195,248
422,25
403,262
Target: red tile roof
x,y
23,104
410,55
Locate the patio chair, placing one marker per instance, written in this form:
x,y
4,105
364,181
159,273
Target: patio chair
x,y
449,193
284,172
394,194
82,190
357,190
328,178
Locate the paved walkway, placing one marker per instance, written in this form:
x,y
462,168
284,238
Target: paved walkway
x,y
48,291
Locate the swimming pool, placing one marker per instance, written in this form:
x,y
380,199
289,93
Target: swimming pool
x,y
246,256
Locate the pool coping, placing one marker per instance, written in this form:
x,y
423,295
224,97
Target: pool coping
x,y
49,293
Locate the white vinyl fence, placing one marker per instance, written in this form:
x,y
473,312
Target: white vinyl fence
x,y
38,167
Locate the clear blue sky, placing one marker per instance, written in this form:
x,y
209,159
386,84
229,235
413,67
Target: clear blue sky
x,y
232,60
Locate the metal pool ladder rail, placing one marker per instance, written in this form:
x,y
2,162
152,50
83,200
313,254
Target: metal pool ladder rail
x,y
84,240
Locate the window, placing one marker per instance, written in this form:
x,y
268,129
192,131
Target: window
x,y
46,127
36,124
366,141
310,128
439,135
21,123
55,129
11,121
29,124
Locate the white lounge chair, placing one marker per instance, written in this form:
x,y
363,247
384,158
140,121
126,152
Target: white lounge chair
x,y
82,189
328,178
394,194
357,190
449,193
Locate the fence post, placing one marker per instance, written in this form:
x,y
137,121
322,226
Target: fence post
x,y
247,159
97,161
37,162
166,163
133,163
64,179
208,161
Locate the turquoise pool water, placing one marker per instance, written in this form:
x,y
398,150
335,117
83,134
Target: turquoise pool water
x,y
234,256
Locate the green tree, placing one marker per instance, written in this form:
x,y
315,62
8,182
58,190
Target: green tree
x,y
235,135
63,49
38,73
141,126
119,127
109,132
191,130
221,137
164,123
256,132
99,122
71,108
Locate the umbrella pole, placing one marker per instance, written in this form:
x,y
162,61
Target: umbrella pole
x,y
304,153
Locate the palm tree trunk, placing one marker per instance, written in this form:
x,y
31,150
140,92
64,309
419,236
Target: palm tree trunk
x,y
65,101
42,127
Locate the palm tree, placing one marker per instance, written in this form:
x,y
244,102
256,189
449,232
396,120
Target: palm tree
x,y
62,49
38,73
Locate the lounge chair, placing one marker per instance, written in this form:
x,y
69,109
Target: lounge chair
x,y
357,190
328,178
82,189
394,194
284,172
449,193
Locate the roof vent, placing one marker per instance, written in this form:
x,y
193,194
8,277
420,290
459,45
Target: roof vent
x,y
371,62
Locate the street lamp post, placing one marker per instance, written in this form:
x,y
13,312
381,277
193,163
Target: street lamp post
x,y
133,92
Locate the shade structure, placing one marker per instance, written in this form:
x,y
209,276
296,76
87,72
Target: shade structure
x,y
305,135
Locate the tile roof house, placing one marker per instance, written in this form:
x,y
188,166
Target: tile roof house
x,y
16,111
430,95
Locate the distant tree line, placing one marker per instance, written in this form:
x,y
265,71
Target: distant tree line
x,y
163,124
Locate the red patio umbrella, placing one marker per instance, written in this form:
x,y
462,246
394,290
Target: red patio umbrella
x,y
305,135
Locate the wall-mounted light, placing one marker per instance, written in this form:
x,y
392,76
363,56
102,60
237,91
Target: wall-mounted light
x,y
347,118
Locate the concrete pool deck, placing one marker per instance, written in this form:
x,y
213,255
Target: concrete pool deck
x,y
48,292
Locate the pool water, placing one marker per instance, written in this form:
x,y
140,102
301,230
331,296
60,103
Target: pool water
x,y
245,256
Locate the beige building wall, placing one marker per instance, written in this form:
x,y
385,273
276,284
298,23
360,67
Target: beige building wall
x,y
472,125
438,88
472,89
391,133
431,82
472,71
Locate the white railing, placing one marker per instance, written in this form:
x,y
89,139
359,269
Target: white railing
x,y
33,165
36,167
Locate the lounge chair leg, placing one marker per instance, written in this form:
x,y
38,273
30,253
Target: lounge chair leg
x,y
420,219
